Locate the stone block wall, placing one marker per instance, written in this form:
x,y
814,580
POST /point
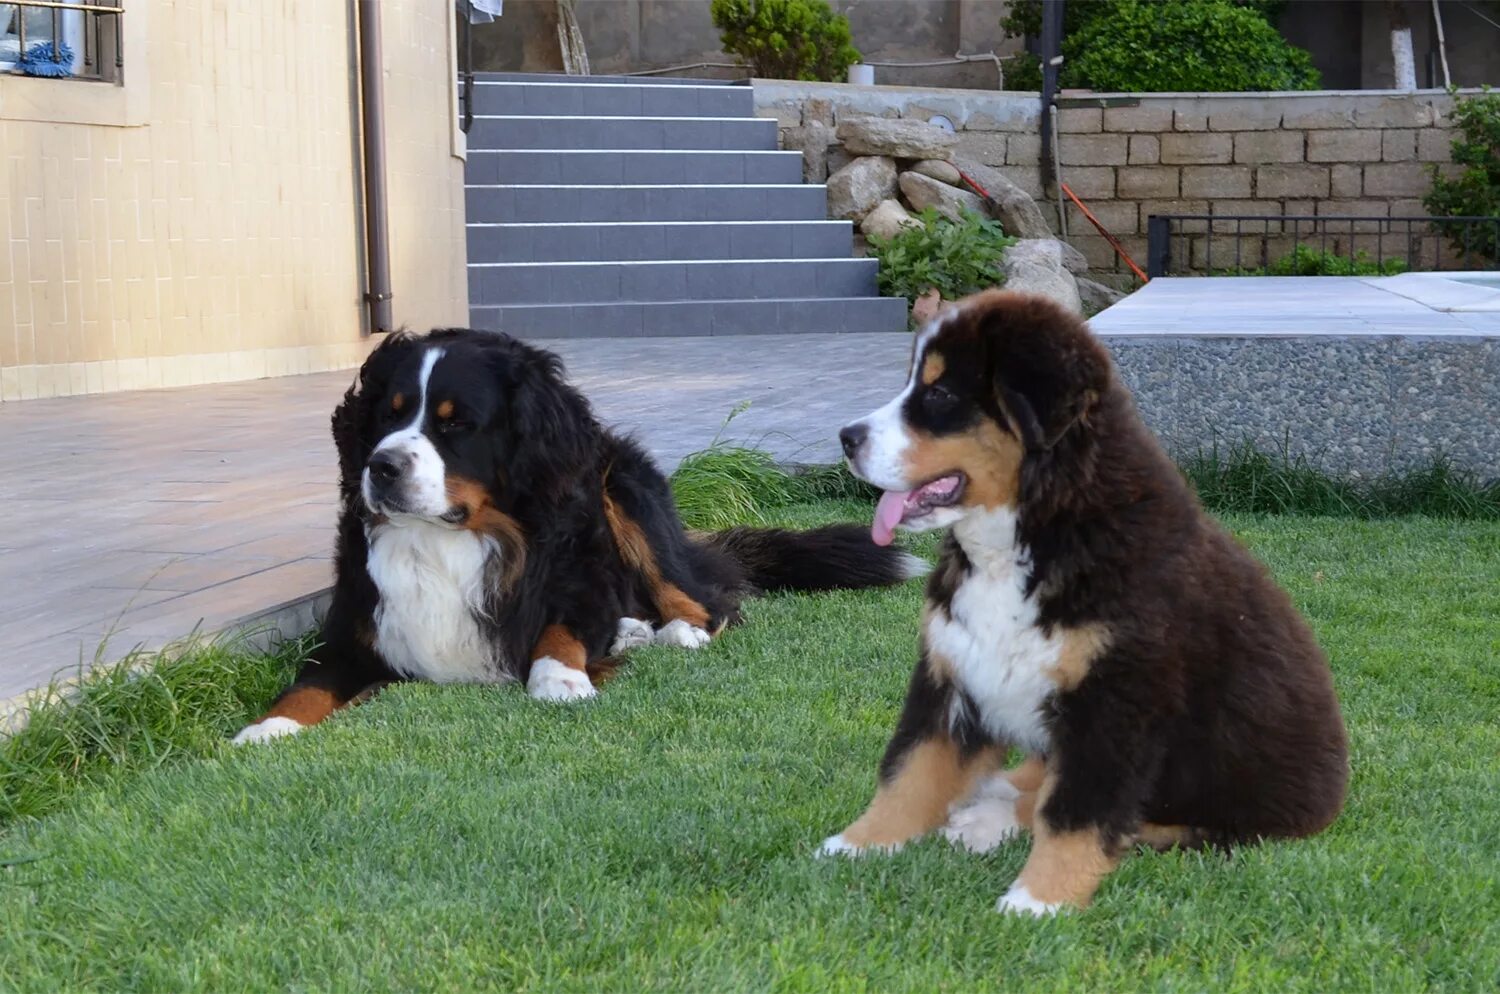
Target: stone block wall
x,y
1129,156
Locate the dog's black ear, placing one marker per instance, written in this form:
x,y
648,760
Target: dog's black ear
x,y
1048,372
551,426
353,419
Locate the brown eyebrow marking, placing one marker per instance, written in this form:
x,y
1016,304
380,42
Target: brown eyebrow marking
x,y
445,409
398,401
933,367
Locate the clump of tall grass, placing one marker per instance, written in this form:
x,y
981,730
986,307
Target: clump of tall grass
x,y
137,714
1246,479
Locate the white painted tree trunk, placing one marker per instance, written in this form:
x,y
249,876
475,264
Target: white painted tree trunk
x,y
1403,62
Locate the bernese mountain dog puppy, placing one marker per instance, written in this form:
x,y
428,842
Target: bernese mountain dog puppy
x,y
1084,611
491,530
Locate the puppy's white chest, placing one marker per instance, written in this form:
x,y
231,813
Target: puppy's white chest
x,y
432,598
990,639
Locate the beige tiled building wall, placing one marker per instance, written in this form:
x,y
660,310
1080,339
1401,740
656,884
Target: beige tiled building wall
x,y
202,222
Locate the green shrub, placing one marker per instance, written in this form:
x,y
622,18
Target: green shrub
x,y
1475,191
1304,260
1142,46
786,39
953,258
1202,46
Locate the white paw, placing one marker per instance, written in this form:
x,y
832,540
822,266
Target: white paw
x,y
682,635
550,680
631,633
266,730
1018,901
837,845
983,824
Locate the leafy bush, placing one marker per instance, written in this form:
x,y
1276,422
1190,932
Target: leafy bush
x,y
953,258
1475,191
1201,46
786,39
1142,46
1304,260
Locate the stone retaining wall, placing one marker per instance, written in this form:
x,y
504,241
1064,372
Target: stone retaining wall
x,y
1128,156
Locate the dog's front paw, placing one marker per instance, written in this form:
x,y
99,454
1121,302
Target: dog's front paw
x,y
1018,901
631,633
551,680
683,635
837,845
267,729
983,823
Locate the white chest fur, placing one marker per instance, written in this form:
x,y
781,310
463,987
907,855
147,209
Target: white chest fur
x,y
990,638
432,594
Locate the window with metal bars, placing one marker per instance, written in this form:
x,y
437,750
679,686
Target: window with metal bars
x,y
69,39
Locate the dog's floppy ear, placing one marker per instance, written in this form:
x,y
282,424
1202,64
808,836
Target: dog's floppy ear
x,y
352,419
552,427
1047,375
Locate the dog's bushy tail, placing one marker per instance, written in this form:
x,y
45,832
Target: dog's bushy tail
x,y
834,557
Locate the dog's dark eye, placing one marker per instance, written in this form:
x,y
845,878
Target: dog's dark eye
x,y
937,398
453,426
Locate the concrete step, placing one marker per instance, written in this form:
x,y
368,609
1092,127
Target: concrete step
x,y
509,132
655,240
505,284
673,319
759,202
557,77
543,166
553,99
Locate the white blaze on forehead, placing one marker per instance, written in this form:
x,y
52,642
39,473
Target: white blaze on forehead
x,y
423,487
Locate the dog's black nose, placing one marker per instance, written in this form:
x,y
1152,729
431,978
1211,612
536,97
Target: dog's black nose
x,y
384,467
853,437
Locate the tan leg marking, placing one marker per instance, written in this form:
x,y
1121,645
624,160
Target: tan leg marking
x,y
1027,776
563,646
306,706
915,800
1064,867
675,605
672,602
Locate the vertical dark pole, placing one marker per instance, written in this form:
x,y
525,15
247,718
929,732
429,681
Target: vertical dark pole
x,y
1158,246
1052,25
467,54
377,221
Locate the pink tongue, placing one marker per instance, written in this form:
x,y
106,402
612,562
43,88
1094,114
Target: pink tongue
x,y
888,515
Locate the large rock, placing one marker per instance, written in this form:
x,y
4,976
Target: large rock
x,y
896,138
855,190
943,172
923,192
1096,296
1051,252
1030,271
813,141
1017,213
887,219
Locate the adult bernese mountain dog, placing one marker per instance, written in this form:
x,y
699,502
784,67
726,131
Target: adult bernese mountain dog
x,y
1084,611
491,530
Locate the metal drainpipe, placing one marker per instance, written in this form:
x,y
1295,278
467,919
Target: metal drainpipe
x,y
372,120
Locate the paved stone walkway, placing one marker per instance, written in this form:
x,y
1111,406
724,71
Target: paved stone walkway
x,y
132,519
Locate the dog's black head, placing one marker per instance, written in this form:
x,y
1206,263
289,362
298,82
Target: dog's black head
x,y
997,381
458,427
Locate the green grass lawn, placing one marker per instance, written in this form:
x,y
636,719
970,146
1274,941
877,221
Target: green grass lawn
x,y
661,837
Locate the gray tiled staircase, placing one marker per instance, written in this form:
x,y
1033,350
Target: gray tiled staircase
x,y
607,206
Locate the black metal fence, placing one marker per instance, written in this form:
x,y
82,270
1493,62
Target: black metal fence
x,y
1242,244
